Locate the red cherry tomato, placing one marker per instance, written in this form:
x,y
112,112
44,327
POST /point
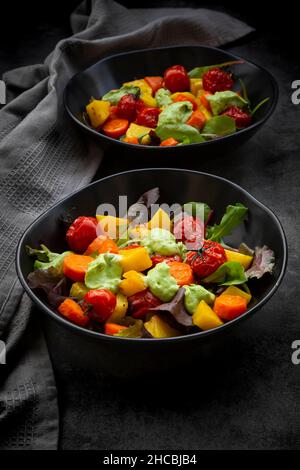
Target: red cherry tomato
x,y
176,79
148,117
81,233
140,303
207,260
217,80
242,118
160,258
126,108
189,230
103,303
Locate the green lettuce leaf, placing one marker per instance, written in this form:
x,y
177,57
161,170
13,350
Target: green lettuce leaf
x,y
114,96
47,259
228,274
222,100
219,126
163,97
135,328
198,72
233,216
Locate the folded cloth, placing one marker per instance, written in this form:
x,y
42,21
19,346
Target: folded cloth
x,y
43,158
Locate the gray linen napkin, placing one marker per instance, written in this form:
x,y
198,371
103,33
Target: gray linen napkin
x,y
43,158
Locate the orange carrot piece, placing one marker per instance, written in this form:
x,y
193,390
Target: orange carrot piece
x,y
102,244
131,140
169,142
72,310
115,127
197,120
155,83
229,307
182,272
75,266
205,101
113,328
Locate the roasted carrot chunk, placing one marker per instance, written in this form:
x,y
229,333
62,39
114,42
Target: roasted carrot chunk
x,y
72,310
113,328
229,307
75,266
102,244
182,272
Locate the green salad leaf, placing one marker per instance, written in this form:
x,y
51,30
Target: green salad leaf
x,y
198,72
134,328
228,274
163,97
222,100
47,259
219,126
233,216
181,132
114,96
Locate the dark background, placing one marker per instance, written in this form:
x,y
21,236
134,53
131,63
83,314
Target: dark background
x,y
248,396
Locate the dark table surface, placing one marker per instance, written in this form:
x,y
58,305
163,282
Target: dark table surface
x,y
249,395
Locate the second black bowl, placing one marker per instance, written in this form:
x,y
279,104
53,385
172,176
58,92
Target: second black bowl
x,y
111,72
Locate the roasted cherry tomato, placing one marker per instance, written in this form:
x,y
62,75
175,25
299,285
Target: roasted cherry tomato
x,y
81,233
207,259
217,80
242,118
148,117
176,79
126,108
140,303
160,258
103,303
189,230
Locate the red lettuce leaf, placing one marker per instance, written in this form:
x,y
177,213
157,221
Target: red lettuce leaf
x,y
263,262
176,308
51,282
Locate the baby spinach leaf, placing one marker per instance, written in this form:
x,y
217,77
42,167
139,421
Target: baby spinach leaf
x,y
263,262
233,216
219,126
181,132
228,274
114,96
198,72
222,100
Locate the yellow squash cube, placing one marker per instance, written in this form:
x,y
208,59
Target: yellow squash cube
x,y
134,282
196,86
120,309
113,227
232,290
136,259
245,260
98,112
160,220
205,318
142,84
159,328
134,130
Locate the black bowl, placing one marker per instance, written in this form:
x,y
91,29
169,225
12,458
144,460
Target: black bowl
x,y
125,355
112,71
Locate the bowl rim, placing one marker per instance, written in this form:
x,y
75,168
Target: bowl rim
x,y
201,334
150,148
